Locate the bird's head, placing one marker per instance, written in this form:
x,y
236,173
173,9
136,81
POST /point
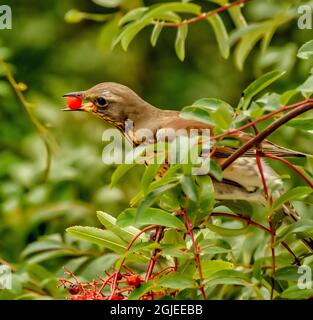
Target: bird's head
x,y
112,102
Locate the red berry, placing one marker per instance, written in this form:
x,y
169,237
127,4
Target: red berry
x,y
134,280
74,102
117,297
73,289
78,298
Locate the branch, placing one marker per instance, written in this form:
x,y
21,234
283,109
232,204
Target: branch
x,y
260,119
257,225
266,132
47,138
153,260
196,251
202,16
294,168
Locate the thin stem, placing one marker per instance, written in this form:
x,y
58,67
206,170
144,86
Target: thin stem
x,y
273,234
260,167
272,228
202,16
266,132
153,260
134,239
196,251
47,138
263,118
123,261
294,168
243,219
257,225
173,268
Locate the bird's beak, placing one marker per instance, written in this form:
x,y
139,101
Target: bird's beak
x,y
77,94
87,107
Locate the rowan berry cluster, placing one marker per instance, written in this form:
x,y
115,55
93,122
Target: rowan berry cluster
x,y
115,286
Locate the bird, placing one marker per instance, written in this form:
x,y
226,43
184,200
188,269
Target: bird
x,y
117,104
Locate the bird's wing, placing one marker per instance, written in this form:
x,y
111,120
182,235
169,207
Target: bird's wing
x,y
225,151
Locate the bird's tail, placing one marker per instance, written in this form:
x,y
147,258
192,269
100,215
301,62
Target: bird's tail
x,y
291,212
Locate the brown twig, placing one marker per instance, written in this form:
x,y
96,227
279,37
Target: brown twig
x,y
196,250
123,260
261,171
47,138
268,198
257,225
202,16
153,260
294,168
243,219
266,132
261,119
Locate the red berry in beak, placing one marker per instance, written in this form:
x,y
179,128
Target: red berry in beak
x,y
74,102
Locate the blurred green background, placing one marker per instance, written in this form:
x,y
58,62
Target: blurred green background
x,y
54,57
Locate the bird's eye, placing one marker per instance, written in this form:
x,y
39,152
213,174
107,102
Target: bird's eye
x,y
101,102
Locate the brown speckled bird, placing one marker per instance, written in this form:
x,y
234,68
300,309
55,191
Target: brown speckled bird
x,y
116,103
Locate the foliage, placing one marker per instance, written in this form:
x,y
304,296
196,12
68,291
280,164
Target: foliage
x,y
199,247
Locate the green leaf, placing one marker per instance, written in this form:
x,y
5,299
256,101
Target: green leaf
x,y
307,87
149,216
247,43
143,289
104,238
127,233
237,17
220,34
289,273
173,6
216,246
148,176
155,34
206,193
306,51
120,171
133,15
229,277
75,16
197,113
223,116
182,32
210,111
108,3
296,227
295,293
189,188
257,86
210,267
107,34
130,32
297,193
226,232
302,124
287,96
98,265
176,280
216,171
250,35
153,195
